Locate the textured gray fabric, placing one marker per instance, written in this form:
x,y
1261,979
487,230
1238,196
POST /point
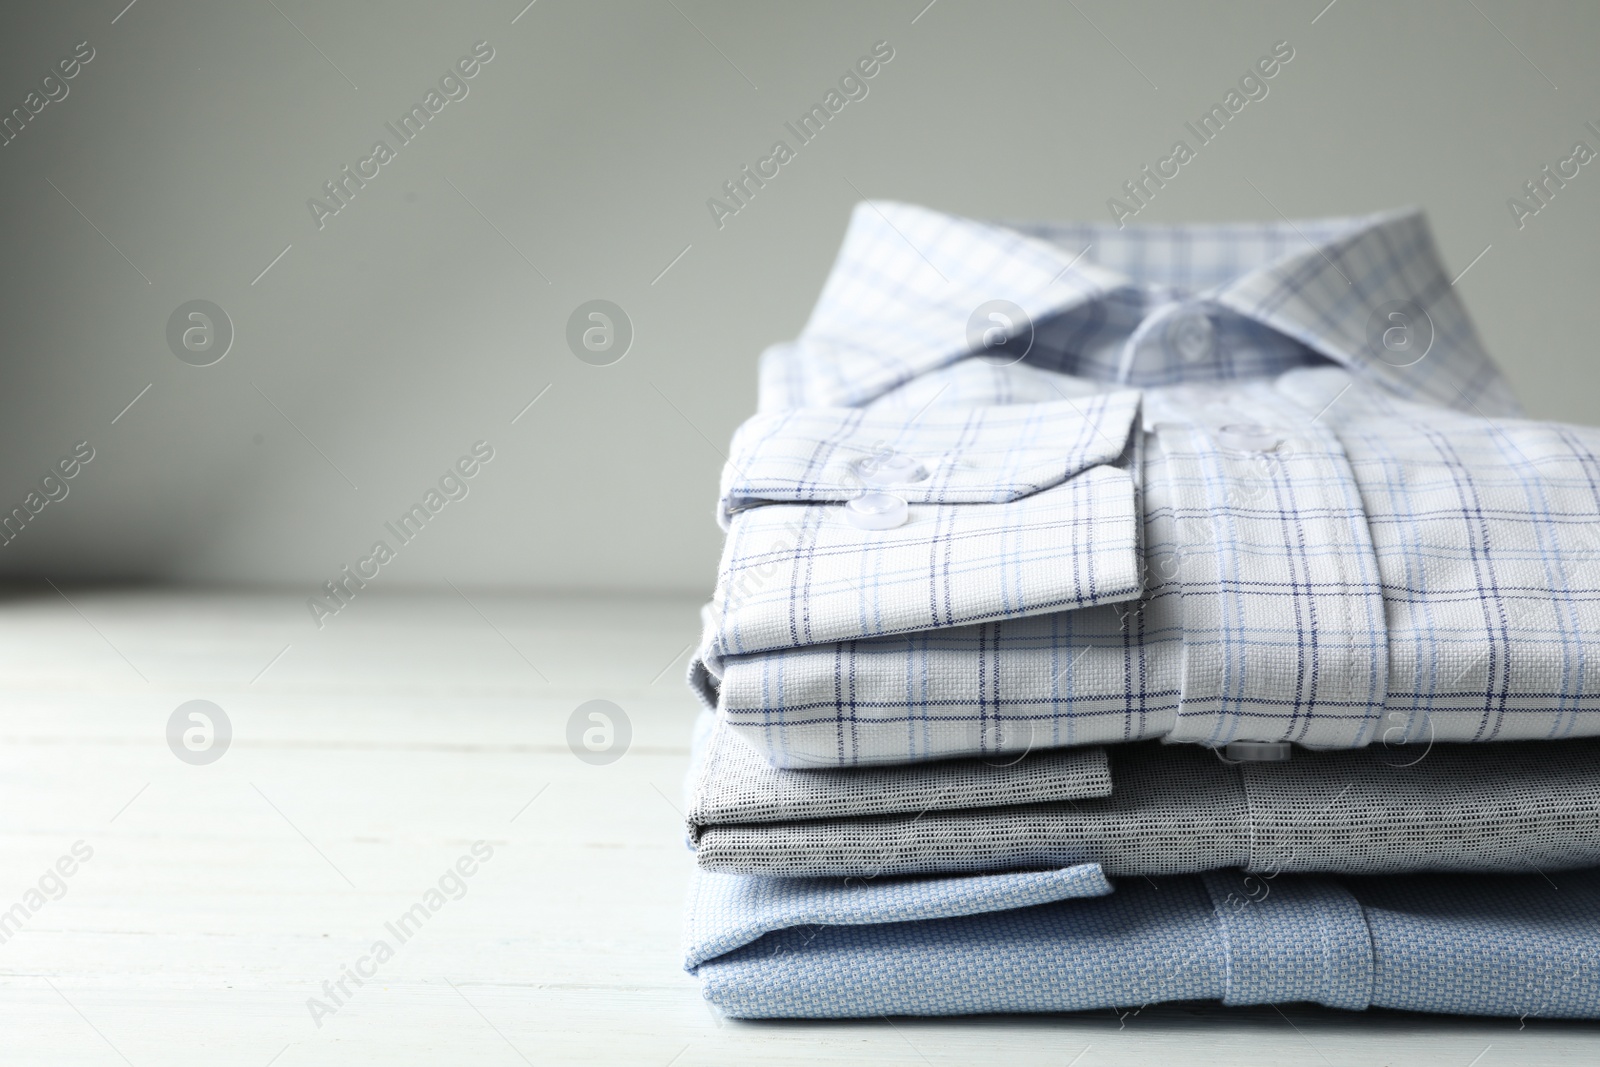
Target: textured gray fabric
x,y
1174,809
735,784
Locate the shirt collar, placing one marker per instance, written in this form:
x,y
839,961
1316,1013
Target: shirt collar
x,y
898,301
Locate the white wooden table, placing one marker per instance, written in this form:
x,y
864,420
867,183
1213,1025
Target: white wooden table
x,y
365,762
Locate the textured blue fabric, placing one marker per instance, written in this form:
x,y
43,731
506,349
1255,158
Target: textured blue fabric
x,y
727,911
1515,945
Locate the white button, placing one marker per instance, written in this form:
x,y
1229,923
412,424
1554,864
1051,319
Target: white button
x,y
1258,751
890,468
1193,335
1249,437
877,511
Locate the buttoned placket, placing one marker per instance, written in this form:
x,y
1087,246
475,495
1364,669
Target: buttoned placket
x,y
1186,325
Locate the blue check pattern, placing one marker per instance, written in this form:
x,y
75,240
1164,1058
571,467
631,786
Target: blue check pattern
x,y
1058,526
1487,540
1327,524
990,454
1279,294
1283,614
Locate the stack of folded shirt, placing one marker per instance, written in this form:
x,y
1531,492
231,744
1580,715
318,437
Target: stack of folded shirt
x,y
1117,616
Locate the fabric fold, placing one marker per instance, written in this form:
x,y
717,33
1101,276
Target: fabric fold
x,y
1310,944
1009,511
728,911
1172,809
1283,613
1509,945
978,455
732,784
1332,569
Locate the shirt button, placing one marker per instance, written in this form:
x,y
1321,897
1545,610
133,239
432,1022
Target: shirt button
x,y
1258,751
877,511
1249,437
1193,335
890,468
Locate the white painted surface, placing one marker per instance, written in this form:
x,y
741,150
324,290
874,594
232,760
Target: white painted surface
x,y
392,740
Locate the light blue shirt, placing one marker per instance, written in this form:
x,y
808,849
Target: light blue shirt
x,y
1518,945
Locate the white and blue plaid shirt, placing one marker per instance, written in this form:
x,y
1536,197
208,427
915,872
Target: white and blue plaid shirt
x,y
1208,483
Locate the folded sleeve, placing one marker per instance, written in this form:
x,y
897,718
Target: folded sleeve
x,y
1008,511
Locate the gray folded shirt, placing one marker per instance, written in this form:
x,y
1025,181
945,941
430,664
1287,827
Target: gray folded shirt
x,y
1149,808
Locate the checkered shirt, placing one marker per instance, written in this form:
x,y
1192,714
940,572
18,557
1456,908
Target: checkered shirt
x,y
1210,483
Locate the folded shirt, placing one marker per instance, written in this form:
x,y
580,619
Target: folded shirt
x,y
1152,809
1208,485
1068,940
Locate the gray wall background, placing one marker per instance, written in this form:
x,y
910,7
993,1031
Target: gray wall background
x,y
413,324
